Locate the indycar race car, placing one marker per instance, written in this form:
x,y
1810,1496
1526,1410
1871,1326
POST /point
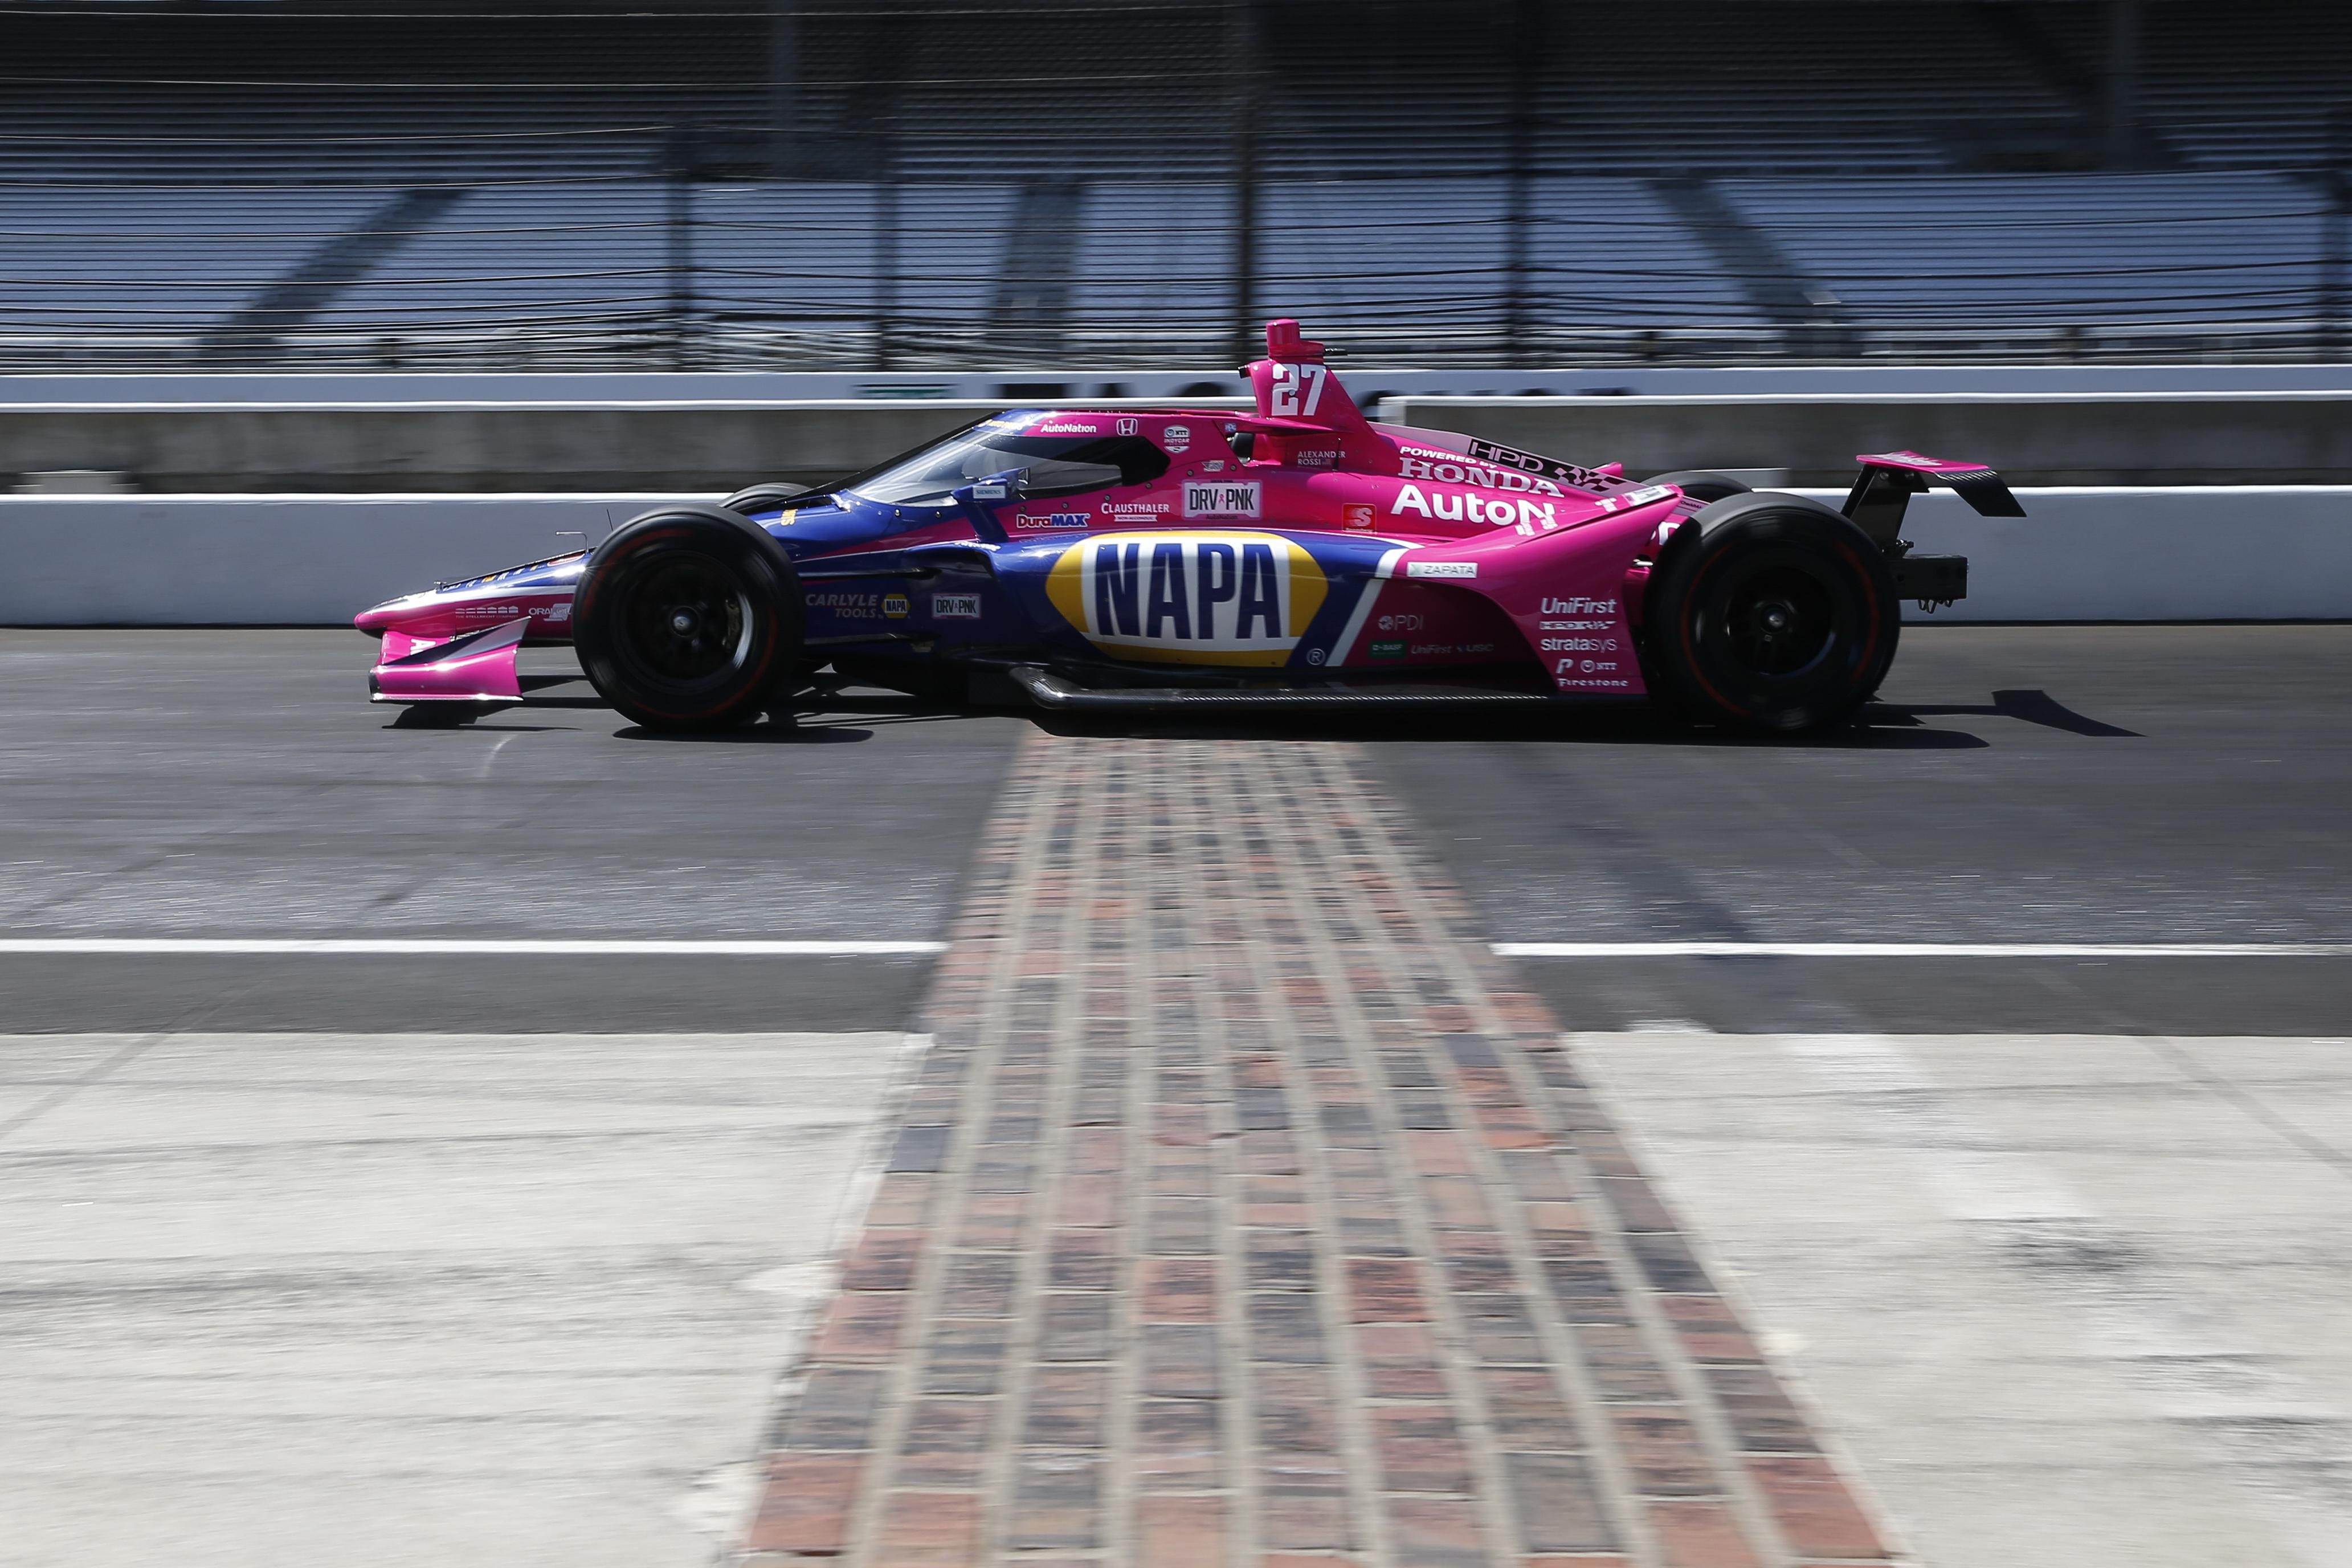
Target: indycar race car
x,y
1301,554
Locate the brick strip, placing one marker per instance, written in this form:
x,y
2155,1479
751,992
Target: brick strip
x,y
1246,1212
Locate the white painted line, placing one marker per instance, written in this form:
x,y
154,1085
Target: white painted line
x,y
1921,950
168,946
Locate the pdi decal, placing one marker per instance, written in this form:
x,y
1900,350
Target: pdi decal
x,y
1190,598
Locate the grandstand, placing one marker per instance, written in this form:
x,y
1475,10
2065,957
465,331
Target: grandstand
x,y
583,183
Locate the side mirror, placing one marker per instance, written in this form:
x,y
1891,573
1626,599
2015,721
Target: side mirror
x,y
1010,485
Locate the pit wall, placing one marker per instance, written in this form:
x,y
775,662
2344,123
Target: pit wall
x,y
692,436
2082,553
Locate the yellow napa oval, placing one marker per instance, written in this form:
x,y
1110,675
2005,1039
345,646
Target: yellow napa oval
x,y
1205,596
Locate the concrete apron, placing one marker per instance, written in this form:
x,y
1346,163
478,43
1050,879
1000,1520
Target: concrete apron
x,y
2210,552
408,1301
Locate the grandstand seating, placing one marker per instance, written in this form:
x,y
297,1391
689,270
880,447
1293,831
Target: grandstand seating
x,y
1700,179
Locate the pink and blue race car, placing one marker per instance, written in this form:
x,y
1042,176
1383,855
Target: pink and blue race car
x,y
1299,555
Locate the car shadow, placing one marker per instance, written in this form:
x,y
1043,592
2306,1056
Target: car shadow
x,y
810,720
2032,707
1637,727
774,731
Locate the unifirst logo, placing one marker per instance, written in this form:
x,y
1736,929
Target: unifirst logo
x,y
1200,598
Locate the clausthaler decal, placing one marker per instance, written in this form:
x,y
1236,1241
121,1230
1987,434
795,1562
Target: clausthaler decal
x,y
1190,598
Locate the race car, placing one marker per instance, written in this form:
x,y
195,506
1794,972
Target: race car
x,y
1300,555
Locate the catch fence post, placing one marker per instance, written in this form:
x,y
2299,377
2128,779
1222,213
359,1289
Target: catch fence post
x,y
681,247
2336,238
1519,135
1240,75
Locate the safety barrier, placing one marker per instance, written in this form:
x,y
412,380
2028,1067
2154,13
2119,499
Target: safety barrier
x,y
2208,553
2269,437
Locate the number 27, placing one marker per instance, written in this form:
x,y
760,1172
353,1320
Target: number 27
x,y
1297,388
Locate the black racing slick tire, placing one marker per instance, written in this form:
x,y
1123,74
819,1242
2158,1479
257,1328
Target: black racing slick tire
x,y
763,497
1701,484
1769,613
689,618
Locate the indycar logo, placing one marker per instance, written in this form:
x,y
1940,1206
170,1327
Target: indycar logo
x,y
1222,497
1190,598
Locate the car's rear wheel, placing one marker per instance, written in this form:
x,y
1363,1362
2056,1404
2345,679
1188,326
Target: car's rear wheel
x,y
1701,484
1770,614
689,618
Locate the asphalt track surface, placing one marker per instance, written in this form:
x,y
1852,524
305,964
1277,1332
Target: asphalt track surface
x,y
2015,785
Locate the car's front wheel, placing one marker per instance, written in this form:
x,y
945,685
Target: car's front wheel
x,y
689,618
1770,614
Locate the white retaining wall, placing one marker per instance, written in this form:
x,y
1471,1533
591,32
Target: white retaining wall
x,y
2213,553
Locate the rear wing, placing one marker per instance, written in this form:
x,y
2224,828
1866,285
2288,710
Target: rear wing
x,y
1879,498
1889,481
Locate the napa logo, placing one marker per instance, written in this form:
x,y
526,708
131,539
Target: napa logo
x,y
1190,598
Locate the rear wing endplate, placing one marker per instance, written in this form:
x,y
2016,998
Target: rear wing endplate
x,y
1889,481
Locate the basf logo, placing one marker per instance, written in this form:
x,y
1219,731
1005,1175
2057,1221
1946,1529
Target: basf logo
x,y
1190,598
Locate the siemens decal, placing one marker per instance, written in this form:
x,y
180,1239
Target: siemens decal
x,y
1195,598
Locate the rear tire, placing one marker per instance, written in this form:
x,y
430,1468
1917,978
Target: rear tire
x,y
1777,618
689,618
1701,484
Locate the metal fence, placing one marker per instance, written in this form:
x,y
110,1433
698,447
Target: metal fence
x,y
585,185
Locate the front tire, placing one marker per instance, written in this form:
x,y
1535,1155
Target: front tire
x,y
1777,618
689,618
763,497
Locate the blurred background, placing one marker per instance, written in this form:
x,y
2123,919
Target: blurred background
x,y
775,185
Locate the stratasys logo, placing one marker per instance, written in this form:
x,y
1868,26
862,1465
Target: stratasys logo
x,y
1190,598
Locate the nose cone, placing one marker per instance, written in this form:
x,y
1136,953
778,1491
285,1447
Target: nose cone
x,y
390,614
